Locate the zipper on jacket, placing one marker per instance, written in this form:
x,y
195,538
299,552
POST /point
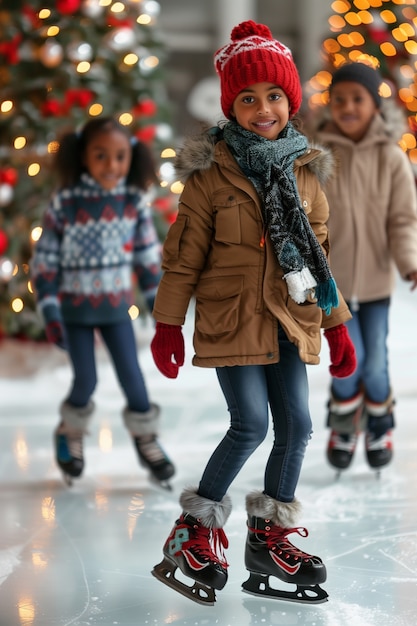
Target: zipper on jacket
x,y
262,241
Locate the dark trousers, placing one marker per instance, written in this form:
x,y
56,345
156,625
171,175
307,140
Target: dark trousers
x,y
120,342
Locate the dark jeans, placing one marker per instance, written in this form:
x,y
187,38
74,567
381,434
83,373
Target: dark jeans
x,y
120,341
368,330
249,391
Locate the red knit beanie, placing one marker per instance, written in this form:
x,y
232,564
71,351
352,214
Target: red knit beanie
x,y
254,56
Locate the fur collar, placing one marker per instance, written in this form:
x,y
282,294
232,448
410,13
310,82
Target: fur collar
x,y
199,153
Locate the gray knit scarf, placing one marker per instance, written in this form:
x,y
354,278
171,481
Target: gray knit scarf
x,y
270,167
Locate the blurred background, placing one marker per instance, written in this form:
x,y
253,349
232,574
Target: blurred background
x,y
84,556
150,64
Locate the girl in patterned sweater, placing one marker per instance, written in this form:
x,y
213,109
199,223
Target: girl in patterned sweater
x,y
96,231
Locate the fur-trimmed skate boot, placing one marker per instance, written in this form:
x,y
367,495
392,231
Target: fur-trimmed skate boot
x,y
68,439
269,553
378,440
346,418
196,546
143,428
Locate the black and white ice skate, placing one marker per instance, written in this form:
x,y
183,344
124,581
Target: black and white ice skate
x,y
192,548
379,450
269,553
154,458
340,450
69,454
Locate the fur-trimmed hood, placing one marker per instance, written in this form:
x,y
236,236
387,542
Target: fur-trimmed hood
x,y
198,153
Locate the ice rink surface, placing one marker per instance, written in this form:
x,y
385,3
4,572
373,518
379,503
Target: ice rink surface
x,y
83,556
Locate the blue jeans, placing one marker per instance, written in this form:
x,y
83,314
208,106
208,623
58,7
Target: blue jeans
x,y
248,391
368,330
120,341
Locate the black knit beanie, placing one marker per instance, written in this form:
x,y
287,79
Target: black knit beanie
x,y
360,73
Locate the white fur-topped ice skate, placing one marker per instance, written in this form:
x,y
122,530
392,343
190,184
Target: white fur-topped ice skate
x,y
268,553
196,547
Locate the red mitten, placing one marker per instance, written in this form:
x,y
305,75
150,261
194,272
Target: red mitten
x,y
55,333
168,344
342,351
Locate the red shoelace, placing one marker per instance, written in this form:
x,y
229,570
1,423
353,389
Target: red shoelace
x,y
276,539
210,543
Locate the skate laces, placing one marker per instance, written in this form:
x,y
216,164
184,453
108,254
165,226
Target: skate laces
x,y
379,443
150,449
210,543
342,441
277,537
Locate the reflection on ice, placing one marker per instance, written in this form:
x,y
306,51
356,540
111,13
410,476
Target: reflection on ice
x,y
83,555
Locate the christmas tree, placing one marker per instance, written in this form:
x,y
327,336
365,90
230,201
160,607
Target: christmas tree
x,y
62,62
383,34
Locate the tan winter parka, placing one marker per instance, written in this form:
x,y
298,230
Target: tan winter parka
x,y
218,252
373,212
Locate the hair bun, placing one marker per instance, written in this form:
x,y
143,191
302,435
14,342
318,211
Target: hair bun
x,y
250,28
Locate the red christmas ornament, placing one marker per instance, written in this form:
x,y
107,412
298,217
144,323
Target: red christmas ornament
x,y
77,97
171,217
31,16
162,204
51,108
10,50
147,134
118,23
67,7
9,176
146,108
4,242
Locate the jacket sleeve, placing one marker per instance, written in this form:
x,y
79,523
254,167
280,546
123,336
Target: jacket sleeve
x,y
185,252
146,252
45,262
402,219
318,217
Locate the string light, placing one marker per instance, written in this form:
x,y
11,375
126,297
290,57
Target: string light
x,y
389,34
6,106
177,187
132,55
34,169
19,143
133,312
95,109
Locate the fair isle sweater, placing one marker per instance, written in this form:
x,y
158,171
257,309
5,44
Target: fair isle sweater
x,y
91,242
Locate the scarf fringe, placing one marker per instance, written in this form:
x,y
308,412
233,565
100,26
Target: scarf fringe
x,y
327,295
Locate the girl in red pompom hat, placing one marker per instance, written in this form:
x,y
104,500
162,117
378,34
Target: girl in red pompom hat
x,y
250,244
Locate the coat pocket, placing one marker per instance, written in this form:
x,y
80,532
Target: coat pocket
x,y
217,304
227,217
307,315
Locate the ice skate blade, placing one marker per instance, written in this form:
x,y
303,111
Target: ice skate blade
x,y
164,484
68,479
199,593
258,585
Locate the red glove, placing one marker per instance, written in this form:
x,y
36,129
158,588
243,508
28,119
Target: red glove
x,y
168,342
342,351
55,333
